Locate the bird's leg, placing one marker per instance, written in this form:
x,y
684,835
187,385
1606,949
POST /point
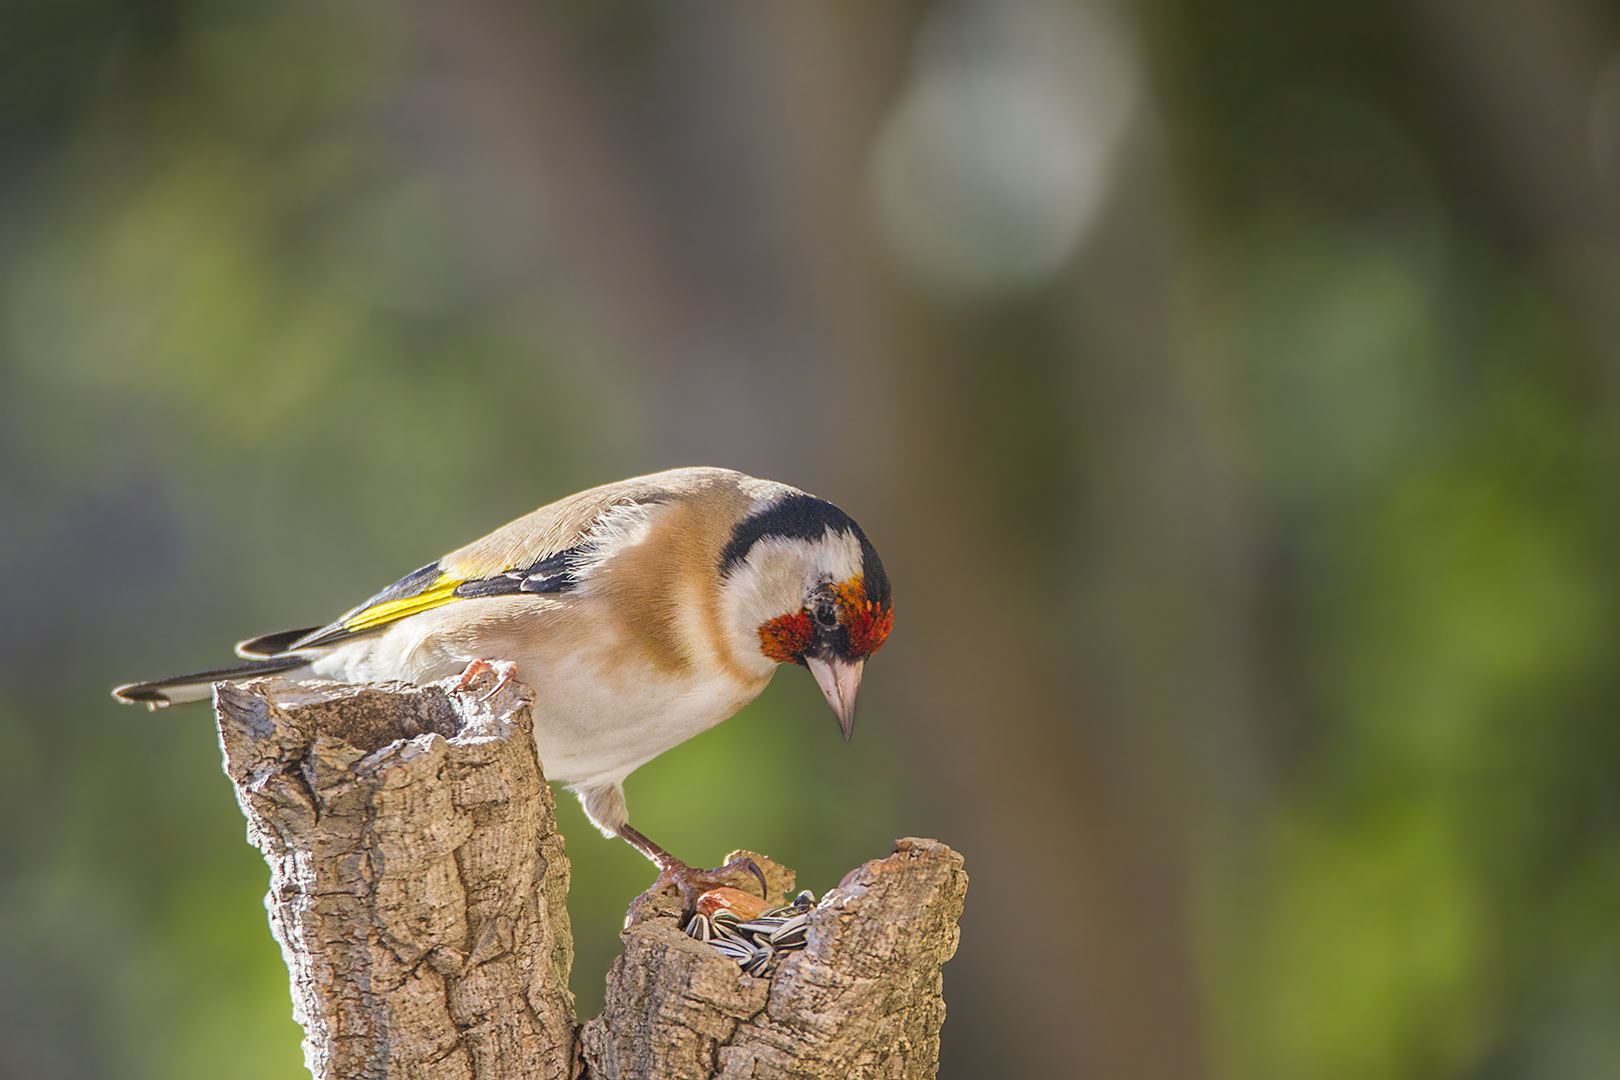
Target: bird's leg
x,y
691,882
504,669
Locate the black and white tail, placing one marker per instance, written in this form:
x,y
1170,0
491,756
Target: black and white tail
x,y
199,686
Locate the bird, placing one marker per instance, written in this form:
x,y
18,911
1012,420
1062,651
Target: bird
x,y
640,613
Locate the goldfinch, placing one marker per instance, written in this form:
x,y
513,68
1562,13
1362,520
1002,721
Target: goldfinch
x,y
640,613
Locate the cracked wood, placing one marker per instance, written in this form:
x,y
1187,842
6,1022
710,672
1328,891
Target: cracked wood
x,y
418,890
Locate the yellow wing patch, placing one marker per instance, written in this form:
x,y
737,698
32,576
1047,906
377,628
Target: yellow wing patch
x,y
437,584
441,592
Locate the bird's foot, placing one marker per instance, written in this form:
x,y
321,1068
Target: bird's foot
x,y
740,871
692,882
503,670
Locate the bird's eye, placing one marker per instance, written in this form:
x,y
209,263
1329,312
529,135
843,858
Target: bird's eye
x,y
825,611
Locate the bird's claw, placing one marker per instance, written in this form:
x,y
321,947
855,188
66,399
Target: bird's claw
x,y
692,883
504,671
743,862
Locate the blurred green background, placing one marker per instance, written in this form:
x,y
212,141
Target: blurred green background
x,y
1229,386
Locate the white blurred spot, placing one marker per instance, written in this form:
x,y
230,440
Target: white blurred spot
x,y
998,155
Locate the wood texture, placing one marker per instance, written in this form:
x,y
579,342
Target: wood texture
x,y
418,885
863,998
418,890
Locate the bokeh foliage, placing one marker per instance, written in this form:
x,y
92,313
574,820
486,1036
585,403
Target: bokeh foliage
x,y
261,352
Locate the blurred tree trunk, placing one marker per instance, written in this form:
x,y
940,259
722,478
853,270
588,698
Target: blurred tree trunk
x,y
1539,82
1078,655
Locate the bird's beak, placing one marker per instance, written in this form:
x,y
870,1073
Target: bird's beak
x,y
838,679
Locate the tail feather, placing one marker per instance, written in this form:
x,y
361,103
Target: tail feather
x,y
199,685
268,645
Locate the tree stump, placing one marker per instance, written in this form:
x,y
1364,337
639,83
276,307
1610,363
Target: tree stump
x,y
862,999
418,890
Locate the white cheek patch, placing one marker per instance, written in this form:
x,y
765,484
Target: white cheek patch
x,y
778,574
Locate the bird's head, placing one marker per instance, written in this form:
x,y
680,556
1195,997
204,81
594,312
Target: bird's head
x,y
807,587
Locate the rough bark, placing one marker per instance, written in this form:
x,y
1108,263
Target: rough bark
x,y
418,890
862,999
418,885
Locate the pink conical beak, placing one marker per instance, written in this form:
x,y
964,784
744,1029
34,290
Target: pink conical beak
x,y
838,679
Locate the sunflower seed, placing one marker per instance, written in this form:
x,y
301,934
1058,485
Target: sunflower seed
x,y
792,934
756,945
758,927
739,951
